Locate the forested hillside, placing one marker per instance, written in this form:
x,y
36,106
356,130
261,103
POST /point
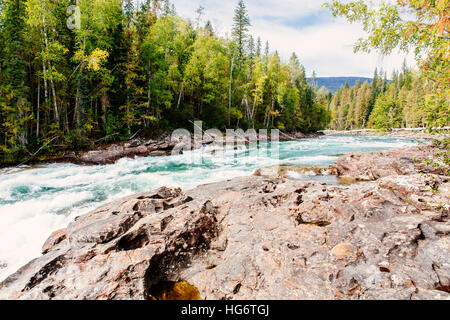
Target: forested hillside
x,y
127,70
407,101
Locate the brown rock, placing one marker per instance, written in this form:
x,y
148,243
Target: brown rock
x,y
55,238
344,250
376,165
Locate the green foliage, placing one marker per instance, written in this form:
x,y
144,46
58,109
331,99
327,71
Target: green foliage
x,y
385,115
14,103
440,162
406,102
129,69
410,25
241,23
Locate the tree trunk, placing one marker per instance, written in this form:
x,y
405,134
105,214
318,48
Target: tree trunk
x,y
180,95
105,104
253,111
44,70
38,107
230,91
76,113
149,88
55,105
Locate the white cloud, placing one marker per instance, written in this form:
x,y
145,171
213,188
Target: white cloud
x,y
323,44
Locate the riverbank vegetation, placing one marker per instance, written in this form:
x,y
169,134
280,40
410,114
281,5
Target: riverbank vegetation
x,y
123,70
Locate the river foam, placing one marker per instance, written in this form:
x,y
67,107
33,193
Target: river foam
x,y
36,201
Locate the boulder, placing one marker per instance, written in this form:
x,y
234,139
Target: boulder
x,y
376,165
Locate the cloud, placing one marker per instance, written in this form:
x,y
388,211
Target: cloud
x,y
324,44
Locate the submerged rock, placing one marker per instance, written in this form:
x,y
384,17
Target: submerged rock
x,y
253,238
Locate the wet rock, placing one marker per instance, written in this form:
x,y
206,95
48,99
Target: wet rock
x,y
55,238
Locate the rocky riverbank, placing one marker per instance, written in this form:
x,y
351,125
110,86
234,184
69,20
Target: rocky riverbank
x,y
261,237
161,146
423,135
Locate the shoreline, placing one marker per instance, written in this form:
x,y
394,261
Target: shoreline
x,y
391,189
397,133
162,146
137,147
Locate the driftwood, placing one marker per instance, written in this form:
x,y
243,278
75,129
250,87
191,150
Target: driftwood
x,y
39,150
134,135
104,138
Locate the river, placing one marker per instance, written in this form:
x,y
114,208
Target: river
x,y
35,201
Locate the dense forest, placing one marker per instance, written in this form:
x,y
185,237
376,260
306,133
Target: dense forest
x,y
413,98
407,100
125,70
108,70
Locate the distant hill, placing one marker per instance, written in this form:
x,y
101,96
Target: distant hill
x,y
334,83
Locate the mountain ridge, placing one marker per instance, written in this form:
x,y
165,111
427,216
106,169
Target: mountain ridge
x,y
334,83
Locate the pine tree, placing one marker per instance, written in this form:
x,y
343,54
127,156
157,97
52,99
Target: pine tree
x,y
314,80
166,8
294,65
258,47
374,93
240,29
209,30
14,103
251,48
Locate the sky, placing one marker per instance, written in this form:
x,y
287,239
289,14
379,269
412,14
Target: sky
x,y
324,44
